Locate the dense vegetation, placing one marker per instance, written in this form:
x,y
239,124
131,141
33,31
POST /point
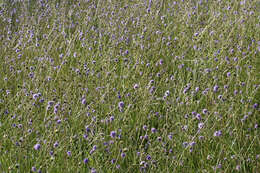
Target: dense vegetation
x,y
129,86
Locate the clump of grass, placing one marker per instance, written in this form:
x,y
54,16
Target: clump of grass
x,y
140,86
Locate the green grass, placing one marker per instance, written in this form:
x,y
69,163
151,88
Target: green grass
x,y
98,51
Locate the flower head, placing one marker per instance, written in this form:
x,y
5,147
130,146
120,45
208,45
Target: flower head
x,y
153,130
37,146
69,153
56,144
85,160
204,111
200,125
121,104
215,88
113,134
148,157
218,133
123,155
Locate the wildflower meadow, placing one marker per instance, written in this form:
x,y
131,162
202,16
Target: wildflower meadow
x,y
129,86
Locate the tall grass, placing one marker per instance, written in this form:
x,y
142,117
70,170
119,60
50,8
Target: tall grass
x,y
129,86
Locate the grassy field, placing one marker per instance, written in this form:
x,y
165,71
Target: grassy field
x,y
129,86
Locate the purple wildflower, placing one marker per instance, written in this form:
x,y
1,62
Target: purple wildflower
x,y
238,167
33,169
161,61
136,86
94,148
215,88
198,116
185,144
87,129
148,157
123,155
69,153
152,89
121,105
207,70
37,146
200,125
192,144
219,166
113,134
220,97
167,93
201,137
204,111
93,170
85,160
228,74
180,66
205,92
50,103
153,130
83,101
112,118
113,161
186,90
35,96
56,144
85,136
218,133
170,137
138,153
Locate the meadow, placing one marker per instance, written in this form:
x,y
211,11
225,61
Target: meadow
x,y
129,86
